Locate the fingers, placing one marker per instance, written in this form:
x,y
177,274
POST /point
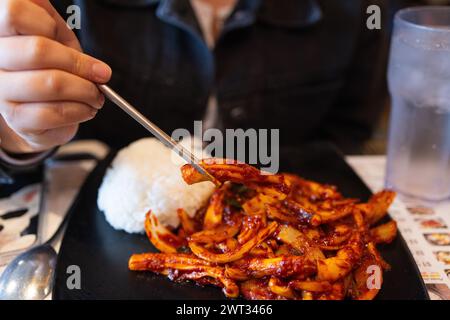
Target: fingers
x,y
20,17
35,118
48,85
19,142
48,139
63,34
35,17
31,53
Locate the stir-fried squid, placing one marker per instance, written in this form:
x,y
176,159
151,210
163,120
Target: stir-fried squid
x,y
265,236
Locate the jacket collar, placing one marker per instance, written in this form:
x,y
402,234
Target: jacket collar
x,y
179,13
283,13
131,3
290,14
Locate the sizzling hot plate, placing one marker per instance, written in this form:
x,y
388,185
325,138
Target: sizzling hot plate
x,y
102,253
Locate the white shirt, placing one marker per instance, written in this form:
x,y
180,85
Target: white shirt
x,y
211,22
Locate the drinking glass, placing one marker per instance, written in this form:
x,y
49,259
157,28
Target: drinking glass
x,y
418,162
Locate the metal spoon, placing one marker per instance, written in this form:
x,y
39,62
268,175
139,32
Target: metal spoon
x,y
30,275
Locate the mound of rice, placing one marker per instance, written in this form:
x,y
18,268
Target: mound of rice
x,y
146,176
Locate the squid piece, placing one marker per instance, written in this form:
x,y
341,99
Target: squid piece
x,y
186,266
281,266
281,289
277,212
317,213
162,238
300,242
228,245
336,239
250,228
157,262
312,190
231,244
187,224
214,212
360,221
302,214
258,289
307,296
240,252
374,252
278,191
273,244
230,288
263,250
336,203
377,207
236,273
229,170
286,250
337,292
327,216
256,206
313,234
311,286
384,233
319,191
334,268
218,234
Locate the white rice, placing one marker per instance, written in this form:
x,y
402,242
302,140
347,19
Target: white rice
x,y
146,176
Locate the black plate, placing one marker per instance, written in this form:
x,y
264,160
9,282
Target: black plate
x,y
102,253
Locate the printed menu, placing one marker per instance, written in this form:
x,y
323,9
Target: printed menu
x,y
424,226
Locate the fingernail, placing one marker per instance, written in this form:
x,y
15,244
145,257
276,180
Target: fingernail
x,y
102,72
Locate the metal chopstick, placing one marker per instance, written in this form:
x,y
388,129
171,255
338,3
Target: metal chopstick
x,y
154,129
